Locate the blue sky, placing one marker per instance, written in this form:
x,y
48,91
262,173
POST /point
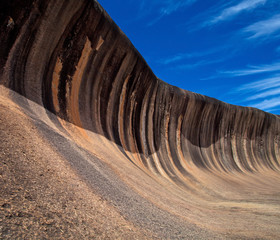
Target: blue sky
x,y
226,49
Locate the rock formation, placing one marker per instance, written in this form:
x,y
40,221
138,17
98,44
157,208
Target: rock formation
x,y
172,163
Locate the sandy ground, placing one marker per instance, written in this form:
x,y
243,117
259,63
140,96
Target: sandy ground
x,y
62,182
41,196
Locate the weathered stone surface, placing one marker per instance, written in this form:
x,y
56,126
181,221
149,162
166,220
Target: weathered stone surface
x,y
181,165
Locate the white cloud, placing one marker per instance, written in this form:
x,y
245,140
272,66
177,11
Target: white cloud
x,y
265,94
171,6
197,64
183,56
174,59
264,28
157,9
167,7
268,104
263,84
251,70
232,11
193,65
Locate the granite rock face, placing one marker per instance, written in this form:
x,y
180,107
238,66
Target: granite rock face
x,y
71,59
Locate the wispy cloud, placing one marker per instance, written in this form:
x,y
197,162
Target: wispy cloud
x,y
263,94
251,70
175,58
167,7
265,28
171,6
232,11
193,65
268,104
183,56
197,64
259,85
155,10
